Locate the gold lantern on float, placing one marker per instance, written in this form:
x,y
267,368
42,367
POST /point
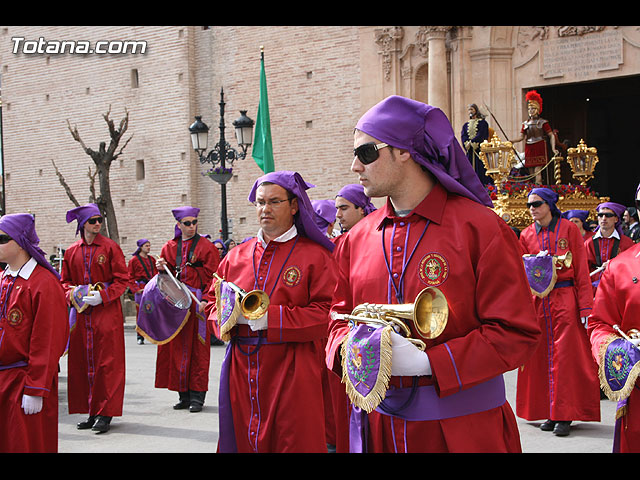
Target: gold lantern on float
x,y
498,159
582,160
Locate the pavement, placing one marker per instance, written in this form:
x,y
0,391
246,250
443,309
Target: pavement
x,y
150,425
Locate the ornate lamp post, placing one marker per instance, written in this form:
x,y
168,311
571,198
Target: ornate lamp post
x,y
498,160
222,156
582,160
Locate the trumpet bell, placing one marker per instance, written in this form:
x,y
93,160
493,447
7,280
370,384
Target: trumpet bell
x,y
255,304
431,313
565,260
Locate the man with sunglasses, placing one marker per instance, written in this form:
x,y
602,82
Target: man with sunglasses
x,y
271,389
182,364
435,231
95,275
559,383
33,333
608,240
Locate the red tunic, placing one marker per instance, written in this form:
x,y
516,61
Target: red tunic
x,y
183,363
96,343
138,276
473,257
34,329
276,391
617,302
560,381
605,247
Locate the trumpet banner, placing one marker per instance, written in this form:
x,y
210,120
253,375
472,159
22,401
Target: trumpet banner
x,y
541,274
366,365
227,308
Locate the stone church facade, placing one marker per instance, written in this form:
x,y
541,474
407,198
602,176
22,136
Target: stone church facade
x,y
320,80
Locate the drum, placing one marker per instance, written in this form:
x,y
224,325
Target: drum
x,y
174,291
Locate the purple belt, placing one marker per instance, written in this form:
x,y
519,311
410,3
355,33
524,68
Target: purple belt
x,y
21,363
420,403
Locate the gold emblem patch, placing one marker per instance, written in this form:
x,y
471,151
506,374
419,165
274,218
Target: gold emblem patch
x,y
563,244
433,269
102,259
292,276
14,317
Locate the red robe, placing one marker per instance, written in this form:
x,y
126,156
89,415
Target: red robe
x,y
35,328
96,343
560,381
617,302
473,257
183,363
287,414
138,276
606,253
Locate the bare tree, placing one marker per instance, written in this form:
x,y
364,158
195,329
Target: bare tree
x,y
103,157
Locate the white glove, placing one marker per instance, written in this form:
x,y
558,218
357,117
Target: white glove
x,y
94,298
635,341
542,253
407,359
585,321
259,323
31,404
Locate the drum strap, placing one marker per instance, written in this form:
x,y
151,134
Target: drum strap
x,y
596,247
146,270
189,255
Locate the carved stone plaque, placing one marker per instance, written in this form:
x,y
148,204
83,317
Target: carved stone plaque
x,y
581,57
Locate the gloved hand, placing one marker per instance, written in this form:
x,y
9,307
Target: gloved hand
x,y
407,359
259,323
31,404
94,298
585,321
542,253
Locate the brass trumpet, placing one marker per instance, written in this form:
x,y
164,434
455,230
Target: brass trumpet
x,y
429,314
558,260
254,304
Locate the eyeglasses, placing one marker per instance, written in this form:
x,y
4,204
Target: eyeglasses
x,y
272,203
368,152
93,220
188,223
4,239
535,204
606,214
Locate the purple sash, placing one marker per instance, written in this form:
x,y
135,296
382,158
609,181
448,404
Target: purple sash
x,y
541,274
158,319
422,403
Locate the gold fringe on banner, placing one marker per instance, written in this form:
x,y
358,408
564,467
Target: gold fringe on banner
x,y
225,329
630,382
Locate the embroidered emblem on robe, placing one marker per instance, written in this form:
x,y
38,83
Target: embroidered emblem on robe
x,y
433,269
292,276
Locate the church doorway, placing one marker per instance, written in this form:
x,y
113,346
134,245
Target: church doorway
x,y
602,113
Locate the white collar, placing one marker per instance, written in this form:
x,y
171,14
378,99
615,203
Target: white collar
x,y
25,271
615,234
285,237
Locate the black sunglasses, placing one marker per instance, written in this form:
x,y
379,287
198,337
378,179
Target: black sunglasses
x,y
368,152
93,221
188,223
606,214
535,204
5,239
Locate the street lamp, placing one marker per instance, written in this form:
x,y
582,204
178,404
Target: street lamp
x,y
222,153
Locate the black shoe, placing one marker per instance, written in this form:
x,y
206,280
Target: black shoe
x,y
140,340
87,424
184,401
216,342
197,401
102,425
548,426
562,429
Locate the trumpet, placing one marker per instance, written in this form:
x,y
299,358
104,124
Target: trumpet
x,y
559,260
429,314
254,304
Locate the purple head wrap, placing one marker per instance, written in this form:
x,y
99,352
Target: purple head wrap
x,y
182,212
618,210
550,197
581,214
354,192
21,228
139,243
427,134
304,219
325,213
82,214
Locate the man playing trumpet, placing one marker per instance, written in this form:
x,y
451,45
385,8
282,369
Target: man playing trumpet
x,y
270,397
434,231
